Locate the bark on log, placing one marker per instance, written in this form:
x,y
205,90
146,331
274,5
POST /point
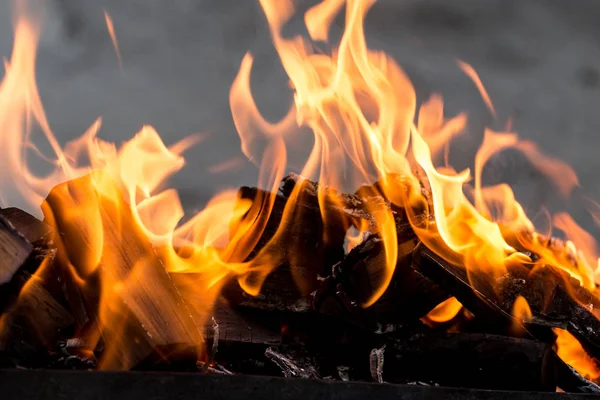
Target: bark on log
x,y
142,310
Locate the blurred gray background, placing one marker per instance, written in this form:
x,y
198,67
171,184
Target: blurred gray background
x,y
539,60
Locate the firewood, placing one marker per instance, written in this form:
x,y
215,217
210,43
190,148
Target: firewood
x,y
556,300
244,325
570,380
299,251
362,210
345,209
409,296
472,360
33,325
142,311
34,230
15,251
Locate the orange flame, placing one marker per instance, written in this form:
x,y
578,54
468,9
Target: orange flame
x,y
113,37
571,352
444,312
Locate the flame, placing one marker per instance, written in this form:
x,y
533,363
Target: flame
x,y
443,312
113,37
117,198
571,352
471,73
361,110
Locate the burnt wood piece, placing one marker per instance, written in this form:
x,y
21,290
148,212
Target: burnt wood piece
x,y
231,324
300,252
31,328
550,294
409,296
473,360
35,231
40,236
30,385
15,254
570,380
143,314
344,209
362,210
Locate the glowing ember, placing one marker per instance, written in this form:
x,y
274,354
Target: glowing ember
x,y
362,110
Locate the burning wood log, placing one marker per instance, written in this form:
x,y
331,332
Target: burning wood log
x,y
569,380
34,230
345,209
123,284
32,327
296,241
245,326
471,360
15,252
409,296
555,299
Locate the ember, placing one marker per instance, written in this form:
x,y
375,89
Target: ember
x,y
370,264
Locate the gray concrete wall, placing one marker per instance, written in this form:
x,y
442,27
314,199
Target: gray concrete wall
x,y
539,59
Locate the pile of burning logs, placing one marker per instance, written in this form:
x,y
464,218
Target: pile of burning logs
x,y
313,327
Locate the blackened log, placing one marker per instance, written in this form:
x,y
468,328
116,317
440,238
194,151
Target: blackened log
x,y
556,300
15,251
343,209
478,361
32,327
300,250
356,279
569,380
480,299
40,236
143,312
244,325
363,210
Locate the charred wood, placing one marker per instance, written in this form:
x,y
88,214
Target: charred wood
x,y
244,325
35,231
15,254
570,380
478,361
295,242
408,297
30,330
556,300
342,209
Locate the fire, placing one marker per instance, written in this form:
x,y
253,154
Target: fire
x,y
569,349
362,111
444,312
113,36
